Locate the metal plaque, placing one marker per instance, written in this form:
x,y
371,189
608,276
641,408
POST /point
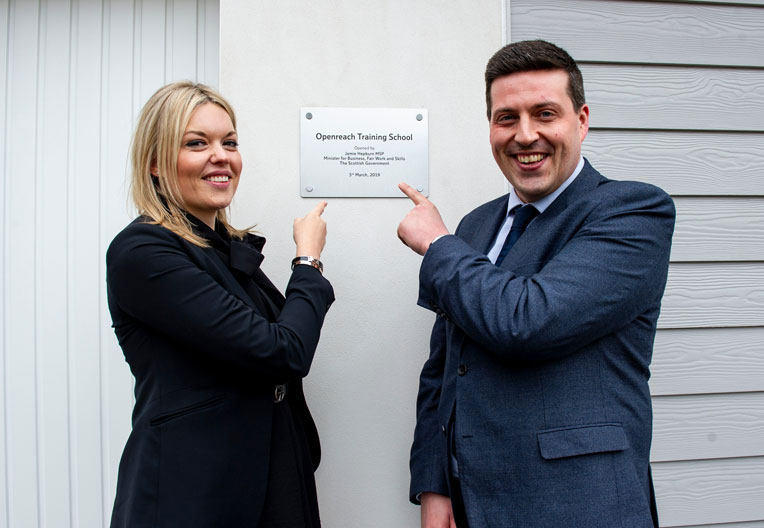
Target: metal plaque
x,y
362,152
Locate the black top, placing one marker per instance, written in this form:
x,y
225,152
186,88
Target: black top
x,y
206,349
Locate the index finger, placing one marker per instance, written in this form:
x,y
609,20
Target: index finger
x,y
416,196
318,210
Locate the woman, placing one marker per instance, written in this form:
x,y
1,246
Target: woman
x,y
221,432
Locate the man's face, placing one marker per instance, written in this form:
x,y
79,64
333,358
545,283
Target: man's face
x,y
536,134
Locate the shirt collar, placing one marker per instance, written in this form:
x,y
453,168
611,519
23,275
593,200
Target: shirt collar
x,y
547,200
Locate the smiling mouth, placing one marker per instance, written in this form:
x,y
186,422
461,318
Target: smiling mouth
x,y
530,158
217,179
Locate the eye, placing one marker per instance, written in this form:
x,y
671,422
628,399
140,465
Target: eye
x,y
546,114
195,143
231,144
502,118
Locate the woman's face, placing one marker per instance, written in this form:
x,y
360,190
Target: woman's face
x,y
209,163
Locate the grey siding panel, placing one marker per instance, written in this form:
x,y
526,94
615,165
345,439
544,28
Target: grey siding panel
x,y
650,32
714,294
676,93
706,426
753,524
674,98
709,491
718,229
720,2
707,360
682,163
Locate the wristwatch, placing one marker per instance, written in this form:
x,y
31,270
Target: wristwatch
x,y
309,261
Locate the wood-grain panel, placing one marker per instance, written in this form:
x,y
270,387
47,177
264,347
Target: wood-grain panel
x,y
706,426
718,229
709,491
713,294
681,163
675,98
707,360
645,32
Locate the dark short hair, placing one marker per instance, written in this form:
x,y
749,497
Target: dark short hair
x,y
531,55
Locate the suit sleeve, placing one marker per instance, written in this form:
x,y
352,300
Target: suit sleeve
x,y
612,270
152,279
427,452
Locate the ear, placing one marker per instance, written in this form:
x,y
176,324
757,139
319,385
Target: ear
x,y
154,172
583,119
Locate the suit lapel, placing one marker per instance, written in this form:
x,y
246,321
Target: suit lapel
x,y
587,180
482,233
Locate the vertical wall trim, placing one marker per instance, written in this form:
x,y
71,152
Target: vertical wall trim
x,y
133,71
506,23
137,42
168,38
73,36
201,39
103,173
41,37
3,348
66,261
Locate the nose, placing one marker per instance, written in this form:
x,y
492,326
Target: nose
x,y
219,154
526,132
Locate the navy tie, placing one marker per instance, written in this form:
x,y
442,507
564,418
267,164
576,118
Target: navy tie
x,y
523,217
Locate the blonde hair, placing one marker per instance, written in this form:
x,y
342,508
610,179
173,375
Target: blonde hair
x,y
156,143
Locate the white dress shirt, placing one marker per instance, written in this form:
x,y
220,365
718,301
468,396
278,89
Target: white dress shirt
x,y
541,205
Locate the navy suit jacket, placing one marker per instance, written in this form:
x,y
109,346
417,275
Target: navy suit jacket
x,y
205,361
545,359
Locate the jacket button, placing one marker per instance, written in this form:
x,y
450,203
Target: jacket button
x,y
443,429
462,370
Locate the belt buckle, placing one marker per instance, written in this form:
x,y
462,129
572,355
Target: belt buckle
x,y
279,393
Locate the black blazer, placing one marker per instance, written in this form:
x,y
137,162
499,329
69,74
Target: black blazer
x,y
205,361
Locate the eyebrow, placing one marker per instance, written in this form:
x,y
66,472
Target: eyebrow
x,y
538,106
200,133
542,104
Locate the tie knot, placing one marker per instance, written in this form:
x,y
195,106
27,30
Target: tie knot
x,y
523,216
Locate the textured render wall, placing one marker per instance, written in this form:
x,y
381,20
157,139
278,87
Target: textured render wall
x,y
277,57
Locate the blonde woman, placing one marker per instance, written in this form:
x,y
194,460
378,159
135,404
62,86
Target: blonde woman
x,y
221,435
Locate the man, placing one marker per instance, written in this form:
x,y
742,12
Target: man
x,y
533,407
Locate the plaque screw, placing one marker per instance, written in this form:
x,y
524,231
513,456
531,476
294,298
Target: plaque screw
x,y
308,116
419,188
309,188
419,117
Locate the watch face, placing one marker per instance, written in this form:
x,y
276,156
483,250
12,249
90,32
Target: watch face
x,y
310,261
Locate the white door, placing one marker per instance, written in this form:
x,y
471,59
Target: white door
x,y
74,76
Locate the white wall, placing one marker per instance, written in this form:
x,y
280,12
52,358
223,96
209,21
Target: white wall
x,y
279,56
73,75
